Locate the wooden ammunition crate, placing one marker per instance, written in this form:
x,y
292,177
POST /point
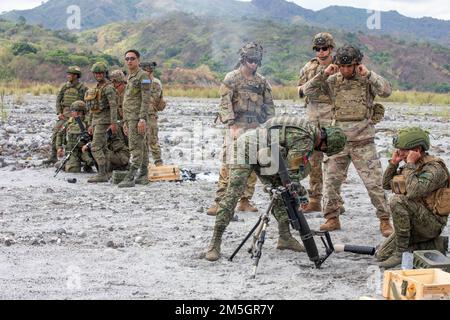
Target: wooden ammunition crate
x,y
416,284
164,173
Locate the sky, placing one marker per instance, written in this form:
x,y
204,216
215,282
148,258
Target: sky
x,y
439,9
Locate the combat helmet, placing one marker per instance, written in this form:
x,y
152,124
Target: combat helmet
x,y
251,50
78,106
99,67
74,70
409,138
348,55
335,138
146,64
323,39
117,75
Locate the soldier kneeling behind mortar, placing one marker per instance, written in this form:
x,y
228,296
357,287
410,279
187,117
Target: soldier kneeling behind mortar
x,y
419,187
297,140
67,138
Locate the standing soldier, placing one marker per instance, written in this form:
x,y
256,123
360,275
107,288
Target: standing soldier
x,y
135,112
353,88
319,109
156,104
246,101
70,92
102,104
68,137
418,222
297,141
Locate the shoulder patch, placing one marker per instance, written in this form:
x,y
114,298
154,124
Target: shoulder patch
x,y
146,81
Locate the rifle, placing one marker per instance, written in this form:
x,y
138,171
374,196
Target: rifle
x,y
66,157
86,138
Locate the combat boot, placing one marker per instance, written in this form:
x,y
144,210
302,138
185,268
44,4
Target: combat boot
x,y
245,205
142,177
101,175
385,227
286,240
213,251
213,210
128,181
331,225
313,205
394,260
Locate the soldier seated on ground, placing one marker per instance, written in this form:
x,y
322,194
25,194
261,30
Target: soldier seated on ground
x,y
298,140
68,137
417,223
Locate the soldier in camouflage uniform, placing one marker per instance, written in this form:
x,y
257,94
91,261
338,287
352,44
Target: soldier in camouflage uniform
x,y
68,137
102,104
297,140
352,89
135,112
70,92
319,109
417,225
246,101
155,98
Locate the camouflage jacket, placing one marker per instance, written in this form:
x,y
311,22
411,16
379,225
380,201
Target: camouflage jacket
x,y
155,96
421,179
137,96
319,106
108,99
353,101
68,135
296,139
245,101
120,96
69,93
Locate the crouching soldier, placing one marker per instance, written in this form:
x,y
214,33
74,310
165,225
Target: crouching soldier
x,y
69,136
421,194
297,141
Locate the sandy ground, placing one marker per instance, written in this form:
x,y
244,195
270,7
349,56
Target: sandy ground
x,y
80,241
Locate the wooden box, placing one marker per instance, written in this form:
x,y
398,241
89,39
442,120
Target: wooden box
x,y
164,173
416,284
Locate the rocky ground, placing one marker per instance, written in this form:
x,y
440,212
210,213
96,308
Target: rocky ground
x,y
60,240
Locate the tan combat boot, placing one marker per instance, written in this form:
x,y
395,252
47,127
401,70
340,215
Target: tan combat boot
x,y
245,205
100,177
213,210
313,205
213,251
331,225
386,228
142,177
286,240
128,181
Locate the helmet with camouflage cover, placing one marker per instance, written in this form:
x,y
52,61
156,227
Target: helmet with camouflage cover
x,y
323,39
335,138
148,65
409,138
348,55
99,67
251,50
117,76
78,106
74,70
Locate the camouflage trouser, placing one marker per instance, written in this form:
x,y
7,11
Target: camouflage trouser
x,y
137,144
152,136
99,143
416,228
58,126
239,175
316,176
223,183
366,161
118,154
73,165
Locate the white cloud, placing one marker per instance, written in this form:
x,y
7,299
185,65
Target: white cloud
x,y
19,5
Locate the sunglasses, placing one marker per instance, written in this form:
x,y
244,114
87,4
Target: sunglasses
x,y
321,49
130,58
250,61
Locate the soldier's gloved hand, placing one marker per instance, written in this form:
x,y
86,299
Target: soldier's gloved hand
x,y
304,201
